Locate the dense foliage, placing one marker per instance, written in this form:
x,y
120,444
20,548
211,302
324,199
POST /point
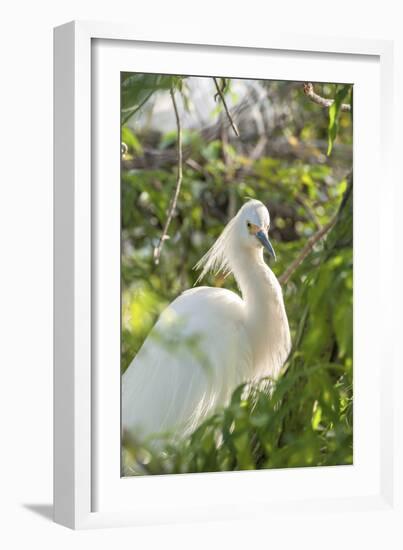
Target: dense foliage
x,y
295,156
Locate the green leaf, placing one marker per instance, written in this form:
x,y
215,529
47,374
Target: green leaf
x,y
131,140
137,89
334,112
316,415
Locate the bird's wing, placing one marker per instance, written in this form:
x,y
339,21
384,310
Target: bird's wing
x,y
188,366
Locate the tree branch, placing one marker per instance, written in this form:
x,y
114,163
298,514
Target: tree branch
x,y
285,277
310,211
234,126
319,100
174,200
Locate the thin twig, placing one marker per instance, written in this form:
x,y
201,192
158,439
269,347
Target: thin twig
x,y
319,100
234,126
229,173
285,277
174,200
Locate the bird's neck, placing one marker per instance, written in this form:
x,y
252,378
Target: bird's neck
x,y
255,279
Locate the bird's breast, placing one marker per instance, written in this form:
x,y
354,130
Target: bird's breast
x,y
268,330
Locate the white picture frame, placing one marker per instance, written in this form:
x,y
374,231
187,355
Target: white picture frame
x,y
88,490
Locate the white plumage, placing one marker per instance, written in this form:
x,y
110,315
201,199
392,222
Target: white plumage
x,y
210,340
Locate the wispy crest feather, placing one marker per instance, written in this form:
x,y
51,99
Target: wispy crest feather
x,y
217,259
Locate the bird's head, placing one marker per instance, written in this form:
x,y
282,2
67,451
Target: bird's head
x,y
251,226
248,230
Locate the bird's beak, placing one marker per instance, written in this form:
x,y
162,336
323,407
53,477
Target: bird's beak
x,y
261,235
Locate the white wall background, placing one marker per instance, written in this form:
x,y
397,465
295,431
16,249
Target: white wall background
x,y
26,261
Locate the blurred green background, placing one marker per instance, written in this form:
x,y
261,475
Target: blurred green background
x,y
296,157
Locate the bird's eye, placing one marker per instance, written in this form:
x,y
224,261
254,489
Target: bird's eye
x,y
249,224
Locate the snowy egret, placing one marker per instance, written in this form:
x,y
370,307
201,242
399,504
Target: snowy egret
x,y
210,340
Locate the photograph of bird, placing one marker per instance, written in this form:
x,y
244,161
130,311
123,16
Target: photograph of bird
x,y
210,340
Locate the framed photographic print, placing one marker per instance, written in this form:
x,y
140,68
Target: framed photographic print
x,y
215,354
